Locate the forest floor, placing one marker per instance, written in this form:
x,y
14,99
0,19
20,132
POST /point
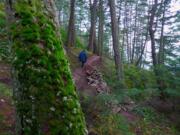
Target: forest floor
x,y
121,117
7,119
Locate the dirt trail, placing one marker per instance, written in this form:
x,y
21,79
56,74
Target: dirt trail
x,y
80,75
7,114
5,73
80,78
7,111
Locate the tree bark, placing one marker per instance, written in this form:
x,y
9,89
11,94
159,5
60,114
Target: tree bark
x,y
157,66
101,28
161,82
127,32
134,38
71,28
161,47
143,49
45,95
115,37
92,37
152,32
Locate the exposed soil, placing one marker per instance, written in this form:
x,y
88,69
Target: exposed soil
x,y
7,113
5,73
80,76
130,116
7,110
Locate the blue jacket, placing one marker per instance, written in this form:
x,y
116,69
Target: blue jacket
x,y
83,56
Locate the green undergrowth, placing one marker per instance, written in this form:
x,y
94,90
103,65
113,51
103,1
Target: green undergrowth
x,y
45,95
1,118
100,119
5,90
134,77
153,123
4,44
138,78
140,95
140,87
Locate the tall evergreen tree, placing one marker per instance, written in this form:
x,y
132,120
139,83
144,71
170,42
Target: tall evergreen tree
x,y
92,34
71,27
115,37
44,93
100,28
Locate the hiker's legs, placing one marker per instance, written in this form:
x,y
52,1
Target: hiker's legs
x,y
82,64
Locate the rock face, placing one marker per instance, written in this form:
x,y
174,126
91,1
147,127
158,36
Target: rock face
x,y
89,78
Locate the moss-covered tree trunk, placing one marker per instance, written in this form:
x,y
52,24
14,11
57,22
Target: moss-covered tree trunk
x,y
45,95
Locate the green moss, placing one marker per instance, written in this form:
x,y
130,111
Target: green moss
x,y
47,95
5,90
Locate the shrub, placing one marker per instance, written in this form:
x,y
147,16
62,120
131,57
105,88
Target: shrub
x,y
138,78
141,94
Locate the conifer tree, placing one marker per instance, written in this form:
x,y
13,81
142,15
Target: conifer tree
x,y
44,93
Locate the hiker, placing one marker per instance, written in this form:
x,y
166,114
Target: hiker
x,y
83,57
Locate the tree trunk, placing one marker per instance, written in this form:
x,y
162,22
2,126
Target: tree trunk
x,y
115,37
161,47
134,38
45,99
157,67
71,28
152,32
92,37
52,11
142,50
101,28
161,81
126,32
